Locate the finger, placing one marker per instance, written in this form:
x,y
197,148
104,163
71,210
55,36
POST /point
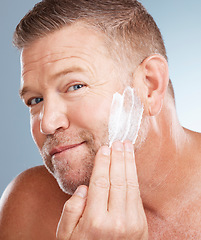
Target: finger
x,y
72,212
133,193
117,197
134,208
99,183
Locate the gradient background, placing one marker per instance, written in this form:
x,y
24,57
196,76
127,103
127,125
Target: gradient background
x,y
180,24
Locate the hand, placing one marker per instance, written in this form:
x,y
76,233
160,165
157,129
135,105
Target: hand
x,y
111,208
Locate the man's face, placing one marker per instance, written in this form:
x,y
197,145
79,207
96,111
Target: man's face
x,y
68,81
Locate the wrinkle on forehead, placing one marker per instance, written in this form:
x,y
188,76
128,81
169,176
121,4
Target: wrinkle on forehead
x,y
29,69
80,42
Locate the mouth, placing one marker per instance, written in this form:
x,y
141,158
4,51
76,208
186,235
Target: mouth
x,y
60,149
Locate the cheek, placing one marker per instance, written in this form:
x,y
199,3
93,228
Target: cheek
x,y
92,113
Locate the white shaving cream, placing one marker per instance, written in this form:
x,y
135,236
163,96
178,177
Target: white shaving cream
x,y
125,116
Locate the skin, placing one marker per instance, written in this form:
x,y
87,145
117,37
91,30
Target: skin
x,y
61,118
164,193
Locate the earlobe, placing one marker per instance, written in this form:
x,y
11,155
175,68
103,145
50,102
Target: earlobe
x,y
156,78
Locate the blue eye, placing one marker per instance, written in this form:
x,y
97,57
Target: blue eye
x,y
75,87
34,101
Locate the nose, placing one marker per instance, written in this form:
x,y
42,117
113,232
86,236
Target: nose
x,y
53,115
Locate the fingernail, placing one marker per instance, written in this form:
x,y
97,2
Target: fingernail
x,y
81,191
118,146
105,151
128,147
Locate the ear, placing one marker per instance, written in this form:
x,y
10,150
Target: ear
x,y
156,78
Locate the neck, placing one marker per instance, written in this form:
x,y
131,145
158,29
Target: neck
x,y
163,164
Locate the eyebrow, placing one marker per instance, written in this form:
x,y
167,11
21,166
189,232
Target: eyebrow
x,y
67,71
23,91
60,74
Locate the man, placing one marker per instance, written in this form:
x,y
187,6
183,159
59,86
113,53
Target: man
x,y
75,56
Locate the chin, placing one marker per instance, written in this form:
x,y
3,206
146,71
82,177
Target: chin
x,y
70,186
69,180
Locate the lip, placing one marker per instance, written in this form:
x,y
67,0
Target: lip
x,y
60,149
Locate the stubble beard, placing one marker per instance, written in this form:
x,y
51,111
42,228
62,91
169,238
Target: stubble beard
x,y
67,175
142,134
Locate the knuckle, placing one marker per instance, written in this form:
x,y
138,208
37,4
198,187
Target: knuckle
x,y
96,227
72,206
101,182
138,228
130,184
118,183
120,229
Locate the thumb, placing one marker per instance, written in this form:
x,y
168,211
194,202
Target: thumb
x,y
72,212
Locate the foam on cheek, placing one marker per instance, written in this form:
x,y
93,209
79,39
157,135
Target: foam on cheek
x,y
125,116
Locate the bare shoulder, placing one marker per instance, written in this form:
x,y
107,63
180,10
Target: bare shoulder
x,y
31,205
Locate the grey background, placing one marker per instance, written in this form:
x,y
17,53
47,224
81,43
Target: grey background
x,y
180,23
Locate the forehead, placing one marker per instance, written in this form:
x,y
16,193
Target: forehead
x,y
70,41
